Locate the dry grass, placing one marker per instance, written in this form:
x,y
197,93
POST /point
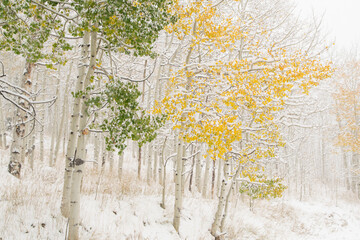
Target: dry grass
x,y
98,181
30,206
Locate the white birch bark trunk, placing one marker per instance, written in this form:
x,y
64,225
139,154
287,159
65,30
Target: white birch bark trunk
x,y
219,177
206,176
2,127
156,98
23,146
120,167
31,148
41,157
104,153
149,162
53,134
155,169
55,124
111,161
139,162
21,117
232,186
198,170
78,162
96,151
97,142
70,151
213,178
183,159
160,169
164,188
66,127
215,228
134,149
179,161
178,180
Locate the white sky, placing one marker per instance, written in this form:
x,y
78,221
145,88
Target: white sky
x,y
341,19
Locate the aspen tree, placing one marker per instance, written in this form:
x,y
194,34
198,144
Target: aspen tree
x,y
2,127
42,120
198,170
347,106
27,29
74,124
206,176
233,95
221,204
55,126
77,163
120,165
19,130
31,143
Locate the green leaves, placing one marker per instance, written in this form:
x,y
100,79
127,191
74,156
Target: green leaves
x,y
263,188
132,26
26,28
127,120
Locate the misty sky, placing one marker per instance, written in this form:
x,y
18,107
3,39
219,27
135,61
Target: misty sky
x,y
341,19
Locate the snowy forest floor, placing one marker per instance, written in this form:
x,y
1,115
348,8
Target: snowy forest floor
x,y
29,209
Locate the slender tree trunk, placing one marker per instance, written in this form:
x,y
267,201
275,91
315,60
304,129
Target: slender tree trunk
x,y
104,153
198,170
97,141
55,124
183,169
163,163
134,149
111,161
215,228
155,169
31,149
179,159
78,163
206,176
219,176
149,161
139,162
193,150
178,181
66,126
96,145
42,120
354,177
163,189
74,121
233,184
21,117
162,172
53,134
120,167
4,140
213,179
2,127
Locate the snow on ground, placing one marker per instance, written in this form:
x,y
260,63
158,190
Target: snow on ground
x,y
29,209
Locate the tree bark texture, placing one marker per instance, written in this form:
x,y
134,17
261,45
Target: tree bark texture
x,y
74,127
19,131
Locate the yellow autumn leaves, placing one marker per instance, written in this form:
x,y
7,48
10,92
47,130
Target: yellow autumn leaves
x,y
232,85
348,106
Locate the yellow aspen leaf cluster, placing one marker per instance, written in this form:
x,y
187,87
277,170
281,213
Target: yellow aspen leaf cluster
x,y
226,98
348,106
